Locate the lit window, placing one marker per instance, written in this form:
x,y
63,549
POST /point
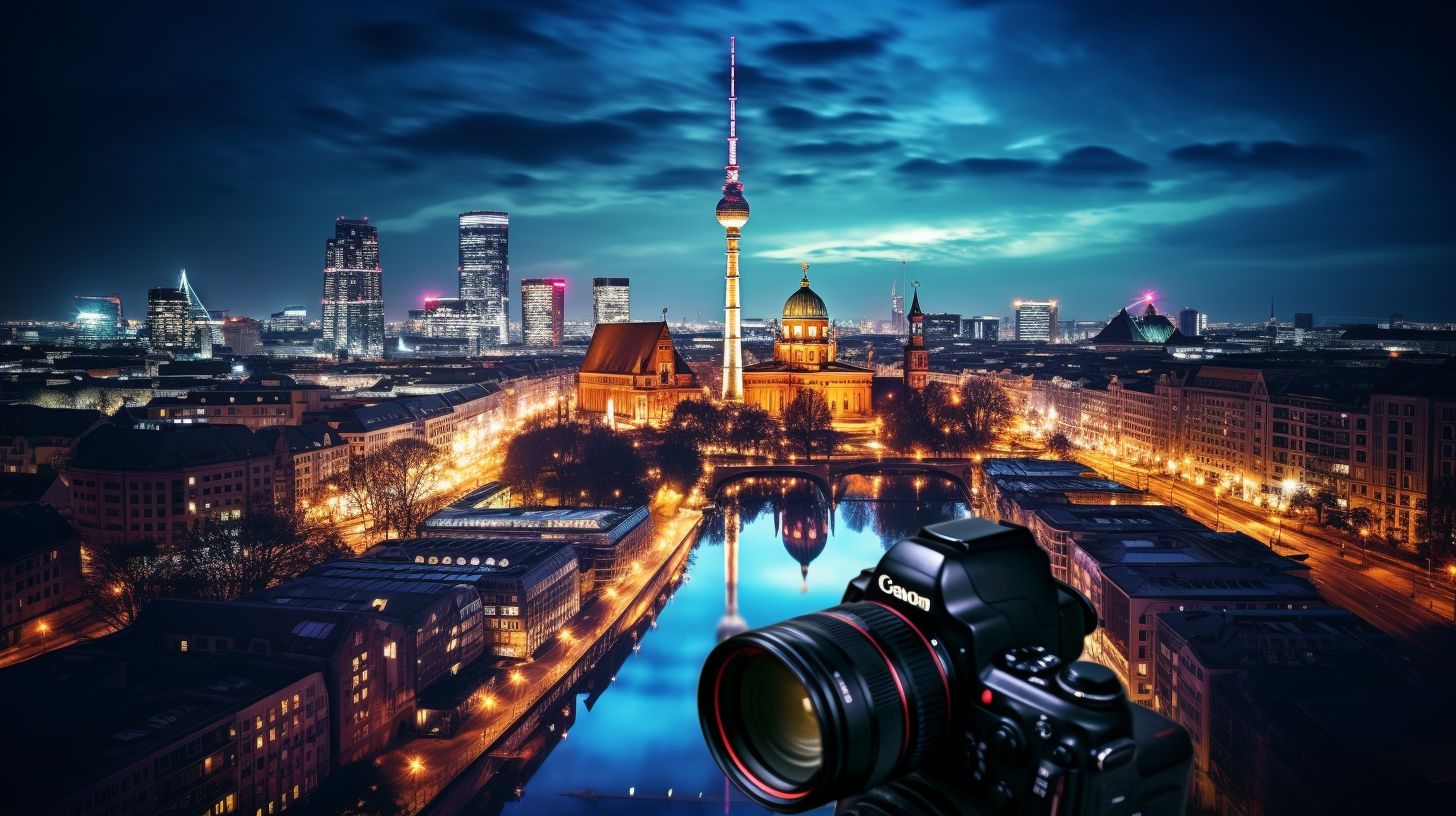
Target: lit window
x,y
183,646
191,480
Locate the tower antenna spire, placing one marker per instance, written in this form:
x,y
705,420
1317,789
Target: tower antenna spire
x,y
732,214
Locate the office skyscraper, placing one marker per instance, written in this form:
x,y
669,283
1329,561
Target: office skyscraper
x,y
1304,320
897,309
1036,320
982,327
98,320
1191,322
611,301
353,301
291,319
485,271
941,327
169,320
543,311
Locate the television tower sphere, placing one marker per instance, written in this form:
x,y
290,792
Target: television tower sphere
x,y
732,209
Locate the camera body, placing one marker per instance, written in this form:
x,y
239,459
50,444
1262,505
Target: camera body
x,y
968,697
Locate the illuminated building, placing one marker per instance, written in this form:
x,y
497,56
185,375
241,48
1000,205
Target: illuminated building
x,y
485,267
33,438
1036,320
169,323
543,311
732,214
243,335
308,458
207,324
41,554
633,373
897,309
98,320
611,300
917,359
1191,322
454,319
131,485
290,319
805,352
1127,333
942,327
353,301
983,327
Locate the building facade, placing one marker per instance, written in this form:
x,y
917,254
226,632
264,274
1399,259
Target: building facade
x,y
169,321
243,335
942,327
805,356
983,327
353,297
98,320
633,373
485,271
543,312
40,568
1036,321
611,300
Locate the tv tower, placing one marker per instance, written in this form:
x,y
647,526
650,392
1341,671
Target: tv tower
x,y
732,214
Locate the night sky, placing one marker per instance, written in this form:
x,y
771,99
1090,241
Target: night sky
x,y
1219,154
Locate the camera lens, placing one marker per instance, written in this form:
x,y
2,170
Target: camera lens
x,y
824,705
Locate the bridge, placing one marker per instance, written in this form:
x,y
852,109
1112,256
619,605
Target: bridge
x,y
827,473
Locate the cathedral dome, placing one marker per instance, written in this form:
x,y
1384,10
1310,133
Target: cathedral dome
x,y
805,303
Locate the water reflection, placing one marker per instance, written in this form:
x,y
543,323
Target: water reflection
x,y
637,747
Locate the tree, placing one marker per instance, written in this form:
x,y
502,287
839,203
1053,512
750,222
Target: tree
x,y
701,421
1361,518
1060,446
751,428
574,464
123,578
981,409
679,461
405,478
1436,527
808,424
226,559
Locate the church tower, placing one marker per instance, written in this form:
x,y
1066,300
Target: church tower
x,y
917,359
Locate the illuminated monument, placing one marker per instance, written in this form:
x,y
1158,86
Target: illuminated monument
x,y
732,214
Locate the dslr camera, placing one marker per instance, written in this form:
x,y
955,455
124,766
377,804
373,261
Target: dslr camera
x,y
947,682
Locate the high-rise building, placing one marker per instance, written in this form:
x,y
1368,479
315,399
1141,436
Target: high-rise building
x,y
917,360
291,319
353,302
485,271
98,320
732,214
543,311
897,309
1304,321
611,300
454,319
207,323
1191,322
942,327
981,328
169,320
1036,320
243,335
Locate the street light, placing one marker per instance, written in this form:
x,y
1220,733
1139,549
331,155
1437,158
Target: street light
x,y
416,766
45,631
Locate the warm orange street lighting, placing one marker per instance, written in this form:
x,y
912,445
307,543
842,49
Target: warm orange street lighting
x,y
416,765
517,678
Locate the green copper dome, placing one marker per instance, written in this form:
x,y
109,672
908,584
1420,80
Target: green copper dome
x,y
804,303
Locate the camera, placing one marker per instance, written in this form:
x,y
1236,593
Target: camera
x,y
946,682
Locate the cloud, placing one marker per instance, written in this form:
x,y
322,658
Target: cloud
x,y
974,166
1235,158
819,52
794,179
393,41
522,140
840,148
657,117
789,117
1095,160
678,178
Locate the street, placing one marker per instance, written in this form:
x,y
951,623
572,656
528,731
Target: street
x,y
1376,587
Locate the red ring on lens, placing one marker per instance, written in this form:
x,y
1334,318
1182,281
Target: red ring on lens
x,y
894,675
934,657
728,744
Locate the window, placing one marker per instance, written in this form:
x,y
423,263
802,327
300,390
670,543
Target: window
x,y
182,646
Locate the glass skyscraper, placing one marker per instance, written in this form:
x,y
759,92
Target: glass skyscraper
x,y
1036,320
543,311
485,271
169,320
353,302
611,300
98,320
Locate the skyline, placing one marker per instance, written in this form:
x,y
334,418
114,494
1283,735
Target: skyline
x,y
1005,150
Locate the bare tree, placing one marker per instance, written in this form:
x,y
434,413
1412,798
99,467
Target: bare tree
x,y
121,579
809,424
981,410
751,428
225,559
1060,446
404,478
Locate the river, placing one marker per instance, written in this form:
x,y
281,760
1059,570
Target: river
x,y
632,736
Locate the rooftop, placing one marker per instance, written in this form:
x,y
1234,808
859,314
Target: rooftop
x,y
1033,468
28,528
34,421
177,446
1232,583
457,560
1311,637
